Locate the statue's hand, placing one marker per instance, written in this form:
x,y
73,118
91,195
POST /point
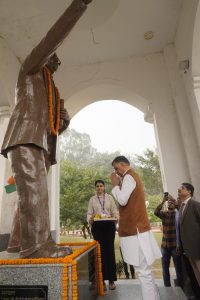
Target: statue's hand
x,y
87,1
64,115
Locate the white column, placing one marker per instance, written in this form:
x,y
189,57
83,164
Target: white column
x,y
184,118
54,197
7,201
196,84
173,165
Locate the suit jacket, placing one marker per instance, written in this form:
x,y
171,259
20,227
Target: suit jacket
x,y
190,229
29,122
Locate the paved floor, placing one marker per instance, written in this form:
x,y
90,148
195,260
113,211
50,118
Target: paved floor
x,y
130,290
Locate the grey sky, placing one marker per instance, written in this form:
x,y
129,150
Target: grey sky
x,y
114,125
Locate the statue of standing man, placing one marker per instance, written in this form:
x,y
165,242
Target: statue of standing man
x,y
30,140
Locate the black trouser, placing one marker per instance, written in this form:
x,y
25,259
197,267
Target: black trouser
x,y
191,275
167,253
104,233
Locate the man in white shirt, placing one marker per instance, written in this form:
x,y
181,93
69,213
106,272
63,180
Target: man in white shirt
x,y
137,242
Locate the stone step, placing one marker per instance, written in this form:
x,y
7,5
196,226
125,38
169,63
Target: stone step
x,y
130,290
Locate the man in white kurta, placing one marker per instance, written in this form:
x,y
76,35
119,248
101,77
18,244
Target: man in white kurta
x,y
138,245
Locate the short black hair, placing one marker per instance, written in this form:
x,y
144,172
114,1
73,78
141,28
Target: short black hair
x,y
99,181
189,187
119,159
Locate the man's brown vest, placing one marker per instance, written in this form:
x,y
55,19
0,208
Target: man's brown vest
x,y
133,216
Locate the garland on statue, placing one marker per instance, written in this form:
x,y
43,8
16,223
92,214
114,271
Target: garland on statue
x,y
54,130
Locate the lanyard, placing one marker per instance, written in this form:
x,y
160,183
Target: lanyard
x,y
102,205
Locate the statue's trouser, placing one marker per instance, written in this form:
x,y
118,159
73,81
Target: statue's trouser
x,y
31,226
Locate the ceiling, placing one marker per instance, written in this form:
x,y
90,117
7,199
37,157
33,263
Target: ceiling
x,y
109,29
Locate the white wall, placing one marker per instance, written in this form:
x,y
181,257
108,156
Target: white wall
x,y
8,73
7,201
187,46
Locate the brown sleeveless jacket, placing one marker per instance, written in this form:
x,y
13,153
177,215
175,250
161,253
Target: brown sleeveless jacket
x,y
133,216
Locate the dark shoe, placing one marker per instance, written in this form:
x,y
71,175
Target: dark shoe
x,y
51,252
112,286
92,286
127,276
133,276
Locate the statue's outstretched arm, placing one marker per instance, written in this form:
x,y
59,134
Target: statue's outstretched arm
x,y
54,37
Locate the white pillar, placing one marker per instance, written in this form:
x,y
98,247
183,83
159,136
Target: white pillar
x,y
173,165
194,93
7,201
54,197
184,119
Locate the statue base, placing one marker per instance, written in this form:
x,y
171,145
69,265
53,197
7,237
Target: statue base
x,y
60,279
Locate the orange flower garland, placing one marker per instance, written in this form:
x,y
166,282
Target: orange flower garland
x,y
54,131
100,276
74,281
65,282
66,261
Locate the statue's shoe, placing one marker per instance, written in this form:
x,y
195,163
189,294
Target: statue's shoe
x,y
16,248
50,252
13,249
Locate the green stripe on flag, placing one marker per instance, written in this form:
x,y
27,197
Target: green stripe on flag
x,y
10,188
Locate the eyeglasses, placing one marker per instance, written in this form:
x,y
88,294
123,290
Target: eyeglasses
x,y
59,62
55,60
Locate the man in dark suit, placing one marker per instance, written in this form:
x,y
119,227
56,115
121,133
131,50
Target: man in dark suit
x,y
30,140
189,222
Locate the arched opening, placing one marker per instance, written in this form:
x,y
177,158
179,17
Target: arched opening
x,y
115,125
75,180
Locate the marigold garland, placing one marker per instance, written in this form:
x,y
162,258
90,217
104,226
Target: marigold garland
x,y
66,261
100,276
74,281
65,282
54,131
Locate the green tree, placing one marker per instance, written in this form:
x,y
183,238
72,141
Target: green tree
x,y
153,201
149,169
76,188
76,147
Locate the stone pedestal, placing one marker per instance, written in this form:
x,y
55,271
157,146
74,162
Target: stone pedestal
x,y
65,278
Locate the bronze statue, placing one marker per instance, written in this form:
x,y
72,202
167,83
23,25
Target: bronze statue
x,y
30,140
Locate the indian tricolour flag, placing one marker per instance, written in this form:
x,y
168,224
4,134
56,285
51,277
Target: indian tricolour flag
x,y
10,185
